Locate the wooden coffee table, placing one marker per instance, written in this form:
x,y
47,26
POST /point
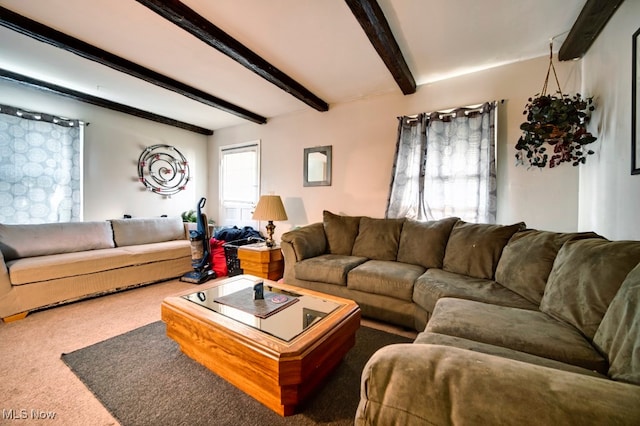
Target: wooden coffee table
x,y
278,360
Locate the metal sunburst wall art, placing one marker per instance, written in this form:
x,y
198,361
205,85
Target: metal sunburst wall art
x,y
163,169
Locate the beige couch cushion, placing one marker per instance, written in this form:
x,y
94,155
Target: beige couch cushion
x,y
56,266
424,243
378,239
383,277
527,260
436,284
529,331
341,232
42,268
619,333
327,268
129,232
19,241
585,277
474,249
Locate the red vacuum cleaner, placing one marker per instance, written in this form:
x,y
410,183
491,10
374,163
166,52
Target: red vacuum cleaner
x,y
200,249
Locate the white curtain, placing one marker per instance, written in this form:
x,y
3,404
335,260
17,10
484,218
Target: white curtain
x,y
40,168
445,166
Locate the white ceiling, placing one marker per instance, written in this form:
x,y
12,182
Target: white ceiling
x,y
318,43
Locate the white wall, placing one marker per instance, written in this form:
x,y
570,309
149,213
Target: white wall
x,y
609,195
113,143
363,136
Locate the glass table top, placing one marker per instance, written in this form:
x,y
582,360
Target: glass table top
x,y
303,311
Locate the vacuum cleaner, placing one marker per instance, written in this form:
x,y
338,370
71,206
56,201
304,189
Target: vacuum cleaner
x,y
200,249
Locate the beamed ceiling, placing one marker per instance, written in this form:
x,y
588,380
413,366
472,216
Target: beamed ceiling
x,y
204,65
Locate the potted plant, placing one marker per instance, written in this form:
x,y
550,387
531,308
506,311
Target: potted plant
x,y
556,128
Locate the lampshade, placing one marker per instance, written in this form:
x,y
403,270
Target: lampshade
x,y
270,208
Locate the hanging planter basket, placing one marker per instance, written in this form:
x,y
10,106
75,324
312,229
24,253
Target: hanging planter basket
x,y
555,131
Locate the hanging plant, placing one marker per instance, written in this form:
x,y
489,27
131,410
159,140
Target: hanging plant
x,y
555,131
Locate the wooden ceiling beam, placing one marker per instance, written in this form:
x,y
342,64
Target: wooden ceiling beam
x,y
48,35
375,25
94,100
181,15
594,16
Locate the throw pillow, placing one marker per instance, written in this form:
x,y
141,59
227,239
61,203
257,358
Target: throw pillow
x,y
586,275
474,249
378,239
424,243
527,260
341,232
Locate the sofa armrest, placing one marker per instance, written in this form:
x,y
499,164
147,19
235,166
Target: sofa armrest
x,y
308,241
431,384
302,243
5,281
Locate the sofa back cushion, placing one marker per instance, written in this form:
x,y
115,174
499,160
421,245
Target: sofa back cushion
x,y
474,249
618,336
585,277
527,260
19,241
341,232
378,239
424,243
130,232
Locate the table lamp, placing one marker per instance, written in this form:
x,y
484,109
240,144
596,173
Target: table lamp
x,y
270,208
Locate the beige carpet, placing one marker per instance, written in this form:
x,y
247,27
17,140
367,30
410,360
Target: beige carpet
x,y
35,381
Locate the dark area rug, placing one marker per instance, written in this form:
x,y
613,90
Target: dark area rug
x,y
142,378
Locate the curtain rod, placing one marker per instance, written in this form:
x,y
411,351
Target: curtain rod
x,y
451,110
40,116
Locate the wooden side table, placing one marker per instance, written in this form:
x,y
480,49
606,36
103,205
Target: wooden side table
x,y
261,261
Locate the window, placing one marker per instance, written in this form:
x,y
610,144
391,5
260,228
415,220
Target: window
x,y
239,183
40,167
445,166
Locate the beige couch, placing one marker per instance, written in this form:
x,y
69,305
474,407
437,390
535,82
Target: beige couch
x,y
517,326
43,265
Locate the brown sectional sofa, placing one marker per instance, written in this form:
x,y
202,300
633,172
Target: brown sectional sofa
x,y
517,326
42,265
383,265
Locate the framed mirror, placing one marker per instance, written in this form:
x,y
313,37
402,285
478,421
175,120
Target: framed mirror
x,y
317,166
635,108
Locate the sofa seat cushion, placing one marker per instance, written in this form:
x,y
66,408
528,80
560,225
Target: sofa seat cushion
x,y
424,243
55,266
472,345
327,268
533,332
387,278
157,252
586,276
130,232
20,241
474,249
43,268
436,284
528,258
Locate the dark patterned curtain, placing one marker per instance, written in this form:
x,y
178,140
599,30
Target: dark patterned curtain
x,y
445,165
40,167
